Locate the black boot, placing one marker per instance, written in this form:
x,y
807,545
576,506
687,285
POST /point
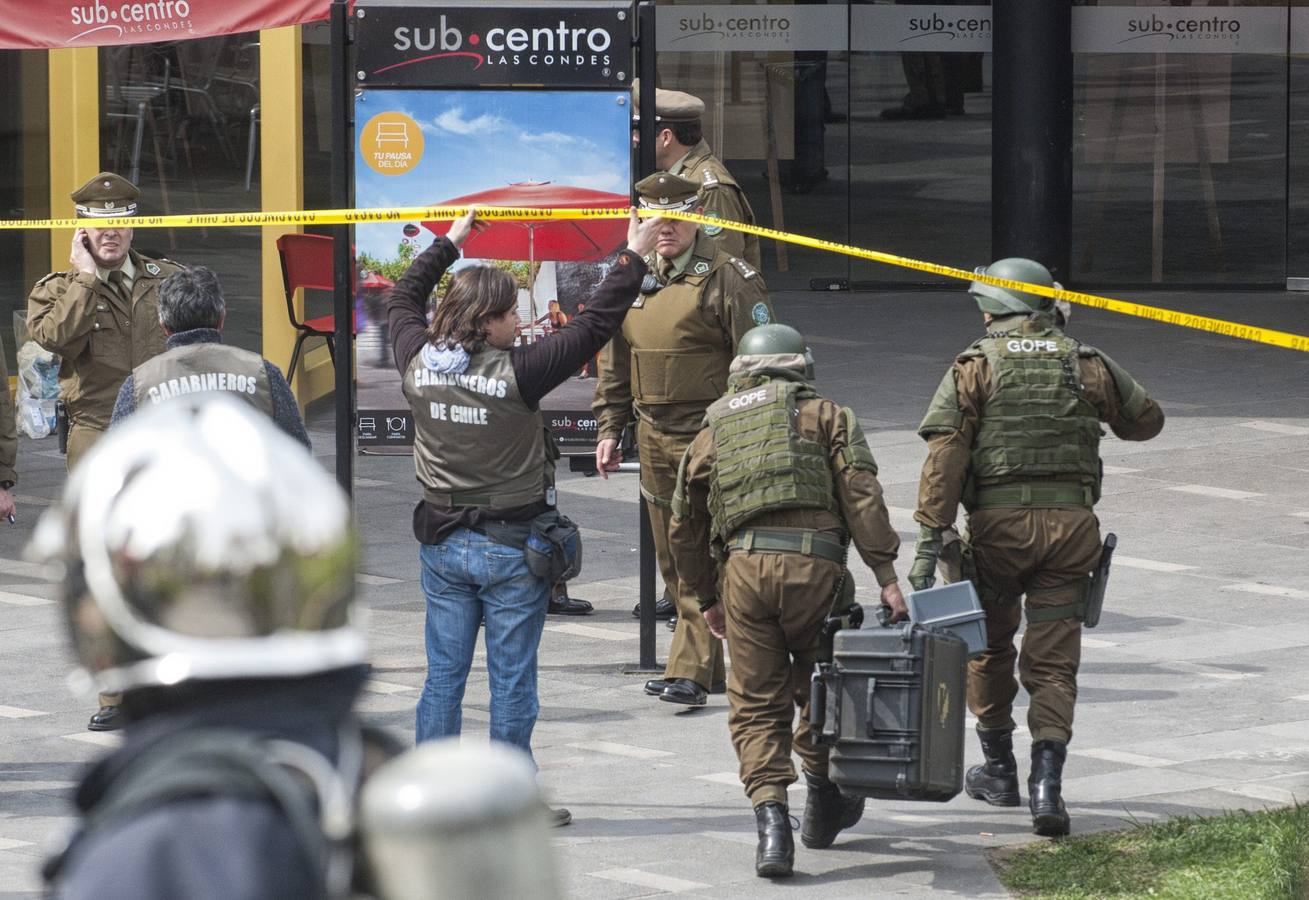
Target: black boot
x,y
827,812
1045,786
776,854
996,780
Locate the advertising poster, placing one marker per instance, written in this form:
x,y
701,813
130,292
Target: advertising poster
x,y
516,148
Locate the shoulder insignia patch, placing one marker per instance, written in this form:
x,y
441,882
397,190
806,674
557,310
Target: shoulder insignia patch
x,y
700,267
711,230
152,268
759,314
710,177
744,268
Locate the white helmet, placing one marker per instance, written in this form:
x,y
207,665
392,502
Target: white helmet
x,y
197,541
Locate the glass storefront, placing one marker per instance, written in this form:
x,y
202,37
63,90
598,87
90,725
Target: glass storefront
x,y
1188,160
866,122
181,119
1180,150
25,184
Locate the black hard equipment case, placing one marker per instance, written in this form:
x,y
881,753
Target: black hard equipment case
x,y
891,705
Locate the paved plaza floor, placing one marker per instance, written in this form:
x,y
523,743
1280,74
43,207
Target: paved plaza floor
x,y
1194,692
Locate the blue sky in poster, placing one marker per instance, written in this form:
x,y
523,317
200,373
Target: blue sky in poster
x,y
476,140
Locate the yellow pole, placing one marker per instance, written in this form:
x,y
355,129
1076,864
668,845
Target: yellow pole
x,y
281,180
74,135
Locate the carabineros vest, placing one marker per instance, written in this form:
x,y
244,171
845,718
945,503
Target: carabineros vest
x,y
476,441
203,368
1037,423
679,353
762,462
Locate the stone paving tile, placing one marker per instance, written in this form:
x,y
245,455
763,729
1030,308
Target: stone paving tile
x,y
1184,668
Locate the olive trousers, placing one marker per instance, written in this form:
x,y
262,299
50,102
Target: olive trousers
x,y
695,653
82,438
1045,556
775,606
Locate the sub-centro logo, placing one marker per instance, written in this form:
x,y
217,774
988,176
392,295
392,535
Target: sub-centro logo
x,y
937,25
553,45
1206,28
734,25
154,17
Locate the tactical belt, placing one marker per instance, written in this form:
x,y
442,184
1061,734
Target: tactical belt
x,y
800,540
482,500
1038,494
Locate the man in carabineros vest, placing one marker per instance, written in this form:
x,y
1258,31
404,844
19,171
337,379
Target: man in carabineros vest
x,y
214,590
779,483
1013,434
99,317
680,149
669,361
191,313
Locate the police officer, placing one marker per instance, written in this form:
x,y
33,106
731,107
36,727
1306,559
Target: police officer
x,y
669,361
1013,434
779,482
226,621
680,149
100,317
191,312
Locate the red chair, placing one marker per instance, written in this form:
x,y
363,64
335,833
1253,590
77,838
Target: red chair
x,y
307,263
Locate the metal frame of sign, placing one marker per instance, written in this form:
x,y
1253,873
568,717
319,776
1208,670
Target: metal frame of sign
x,y
471,45
376,68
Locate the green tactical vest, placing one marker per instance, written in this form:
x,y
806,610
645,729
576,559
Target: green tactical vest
x,y
1037,422
762,462
476,442
199,368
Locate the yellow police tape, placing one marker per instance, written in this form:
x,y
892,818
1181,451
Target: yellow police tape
x,y
1253,333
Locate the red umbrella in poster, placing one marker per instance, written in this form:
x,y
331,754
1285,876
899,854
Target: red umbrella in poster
x,y
561,240
376,281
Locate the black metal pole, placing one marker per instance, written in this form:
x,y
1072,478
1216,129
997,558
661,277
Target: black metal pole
x,y
1032,132
645,54
343,287
645,165
648,662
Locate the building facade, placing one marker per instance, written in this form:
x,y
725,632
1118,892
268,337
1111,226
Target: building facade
x,y
867,123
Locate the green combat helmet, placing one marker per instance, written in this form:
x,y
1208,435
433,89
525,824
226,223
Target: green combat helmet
x,y
774,346
1000,301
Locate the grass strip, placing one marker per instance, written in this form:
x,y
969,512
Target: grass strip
x,y
1240,855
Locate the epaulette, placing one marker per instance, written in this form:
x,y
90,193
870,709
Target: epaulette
x,y
710,178
744,267
47,278
970,353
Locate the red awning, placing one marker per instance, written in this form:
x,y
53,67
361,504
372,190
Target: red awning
x,y
377,281
37,24
532,239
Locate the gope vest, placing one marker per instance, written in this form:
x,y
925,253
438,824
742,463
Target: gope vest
x,y
761,462
1037,422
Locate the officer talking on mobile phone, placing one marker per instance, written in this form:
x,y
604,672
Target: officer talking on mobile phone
x,y
101,317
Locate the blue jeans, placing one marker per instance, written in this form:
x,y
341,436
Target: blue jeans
x,y
468,578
